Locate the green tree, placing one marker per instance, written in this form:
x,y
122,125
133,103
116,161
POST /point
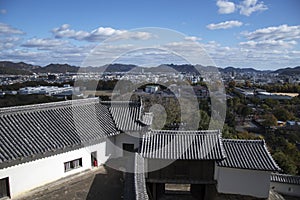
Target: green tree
x,y
269,120
230,119
204,120
246,111
272,102
232,84
285,162
228,132
248,84
282,114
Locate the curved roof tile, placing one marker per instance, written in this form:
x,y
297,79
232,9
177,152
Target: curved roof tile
x,y
248,154
182,145
35,130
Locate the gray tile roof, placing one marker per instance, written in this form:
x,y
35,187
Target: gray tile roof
x,y
247,154
285,178
183,145
29,132
147,118
139,178
126,114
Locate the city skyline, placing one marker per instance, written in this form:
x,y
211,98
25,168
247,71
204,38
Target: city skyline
x,y
247,33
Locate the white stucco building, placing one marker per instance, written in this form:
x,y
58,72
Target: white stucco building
x,y
29,175
45,142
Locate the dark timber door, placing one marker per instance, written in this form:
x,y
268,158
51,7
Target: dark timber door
x,y
94,161
127,148
4,188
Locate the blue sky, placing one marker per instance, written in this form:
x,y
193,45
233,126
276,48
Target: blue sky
x,y
240,33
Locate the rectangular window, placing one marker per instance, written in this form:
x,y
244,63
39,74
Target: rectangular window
x,y
173,188
4,188
127,149
73,164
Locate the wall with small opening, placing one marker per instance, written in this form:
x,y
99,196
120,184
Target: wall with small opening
x,y
124,138
285,188
27,176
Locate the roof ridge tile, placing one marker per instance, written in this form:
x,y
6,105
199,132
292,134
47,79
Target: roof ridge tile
x,y
52,105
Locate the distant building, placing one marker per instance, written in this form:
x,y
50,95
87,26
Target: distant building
x,y
50,90
262,94
268,95
151,88
245,92
291,123
11,92
52,77
281,123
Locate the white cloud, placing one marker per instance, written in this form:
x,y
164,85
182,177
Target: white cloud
x,y
257,54
225,7
65,54
6,29
21,55
192,38
268,44
43,43
8,42
247,7
98,34
282,32
65,32
264,45
224,25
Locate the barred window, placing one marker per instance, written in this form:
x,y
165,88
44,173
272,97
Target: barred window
x,y
67,166
73,164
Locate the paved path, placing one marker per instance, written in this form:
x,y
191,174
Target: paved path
x,y
102,183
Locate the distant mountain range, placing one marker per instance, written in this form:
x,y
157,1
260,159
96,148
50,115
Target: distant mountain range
x,y
289,71
242,70
21,68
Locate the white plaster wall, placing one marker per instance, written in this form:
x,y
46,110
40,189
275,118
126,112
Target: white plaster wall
x,y
110,146
26,176
284,188
124,138
244,182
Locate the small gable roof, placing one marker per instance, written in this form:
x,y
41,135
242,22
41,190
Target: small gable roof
x,y
127,115
247,154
